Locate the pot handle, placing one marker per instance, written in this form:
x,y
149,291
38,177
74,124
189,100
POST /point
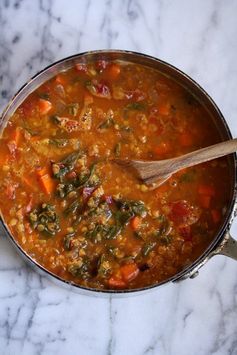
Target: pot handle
x,y
228,247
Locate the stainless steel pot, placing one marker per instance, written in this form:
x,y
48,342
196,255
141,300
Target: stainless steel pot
x,y
223,243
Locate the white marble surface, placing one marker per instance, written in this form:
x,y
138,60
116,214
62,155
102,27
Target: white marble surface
x,y
197,317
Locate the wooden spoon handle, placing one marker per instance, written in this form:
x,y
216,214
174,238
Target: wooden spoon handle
x,y
205,154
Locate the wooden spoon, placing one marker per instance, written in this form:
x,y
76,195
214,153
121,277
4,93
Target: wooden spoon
x,y
157,172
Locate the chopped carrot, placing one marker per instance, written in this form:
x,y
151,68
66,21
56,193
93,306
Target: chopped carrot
x,y
205,201
164,109
114,71
47,183
116,282
135,223
185,139
216,215
162,148
129,272
44,106
207,190
42,171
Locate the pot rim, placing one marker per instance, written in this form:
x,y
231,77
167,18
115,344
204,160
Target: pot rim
x,y
215,242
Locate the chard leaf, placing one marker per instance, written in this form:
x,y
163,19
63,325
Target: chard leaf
x,y
67,241
73,207
61,168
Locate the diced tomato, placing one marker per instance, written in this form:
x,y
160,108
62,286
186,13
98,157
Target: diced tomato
x,y
101,64
183,214
103,90
99,89
81,67
129,272
207,190
162,148
135,223
116,282
216,216
44,106
185,139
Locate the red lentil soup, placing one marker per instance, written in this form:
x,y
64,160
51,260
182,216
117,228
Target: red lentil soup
x,y
81,216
